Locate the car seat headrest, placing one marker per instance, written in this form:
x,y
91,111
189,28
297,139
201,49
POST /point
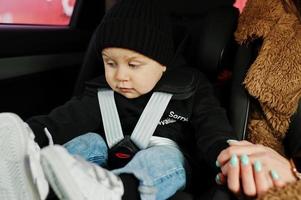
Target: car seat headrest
x,y
210,38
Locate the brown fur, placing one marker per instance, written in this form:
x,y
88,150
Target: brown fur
x,y
291,191
274,78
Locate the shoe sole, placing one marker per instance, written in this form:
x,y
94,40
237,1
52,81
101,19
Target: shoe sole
x,y
58,175
15,177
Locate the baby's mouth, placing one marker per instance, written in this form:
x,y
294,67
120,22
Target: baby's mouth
x,y
125,90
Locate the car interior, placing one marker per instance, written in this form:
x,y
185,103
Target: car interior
x,y
42,67
40,64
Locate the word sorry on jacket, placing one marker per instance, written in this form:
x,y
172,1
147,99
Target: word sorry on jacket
x,y
172,118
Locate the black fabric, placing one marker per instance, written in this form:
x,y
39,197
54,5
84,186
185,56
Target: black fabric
x,y
131,184
200,110
181,196
217,193
129,181
194,7
138,25
51,195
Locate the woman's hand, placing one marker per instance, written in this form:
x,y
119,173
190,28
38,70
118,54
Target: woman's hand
x,y
252,169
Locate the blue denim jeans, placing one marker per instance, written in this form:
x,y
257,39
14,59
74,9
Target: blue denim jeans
x,y
159,169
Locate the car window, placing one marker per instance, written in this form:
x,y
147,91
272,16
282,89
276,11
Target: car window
x,y
36,12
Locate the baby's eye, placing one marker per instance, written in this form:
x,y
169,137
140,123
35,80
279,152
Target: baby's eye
x,y
110,64
134,65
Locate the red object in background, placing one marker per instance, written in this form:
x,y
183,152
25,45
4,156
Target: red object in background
x,y
42,12
240,4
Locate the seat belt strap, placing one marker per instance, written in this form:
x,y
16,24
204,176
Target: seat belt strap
x,y
110,118
150,118
147,122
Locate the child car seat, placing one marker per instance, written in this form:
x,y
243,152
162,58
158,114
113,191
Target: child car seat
x,y
209,47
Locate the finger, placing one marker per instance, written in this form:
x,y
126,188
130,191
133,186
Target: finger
x,y
247,177
261,180
239,142
233,175
269,179
220,179
278,183
224,168
226,154
276,179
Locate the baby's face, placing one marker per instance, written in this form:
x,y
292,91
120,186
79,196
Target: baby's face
x,y
130,73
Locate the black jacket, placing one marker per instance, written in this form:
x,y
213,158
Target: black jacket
x,y
193,115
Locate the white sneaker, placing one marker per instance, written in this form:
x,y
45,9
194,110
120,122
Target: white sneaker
x,y
21,175
73,178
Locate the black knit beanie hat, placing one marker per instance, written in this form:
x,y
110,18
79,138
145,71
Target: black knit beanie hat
x,y
138,25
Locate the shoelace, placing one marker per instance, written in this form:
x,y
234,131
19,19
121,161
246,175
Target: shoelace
x,y
48,134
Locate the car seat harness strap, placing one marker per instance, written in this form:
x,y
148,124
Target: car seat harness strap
x,y
110,118
123,148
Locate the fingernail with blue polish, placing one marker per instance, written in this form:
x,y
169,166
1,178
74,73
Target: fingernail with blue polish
x,y
234,160
217,164
218,179
244,159
275,175
257,166
231,141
